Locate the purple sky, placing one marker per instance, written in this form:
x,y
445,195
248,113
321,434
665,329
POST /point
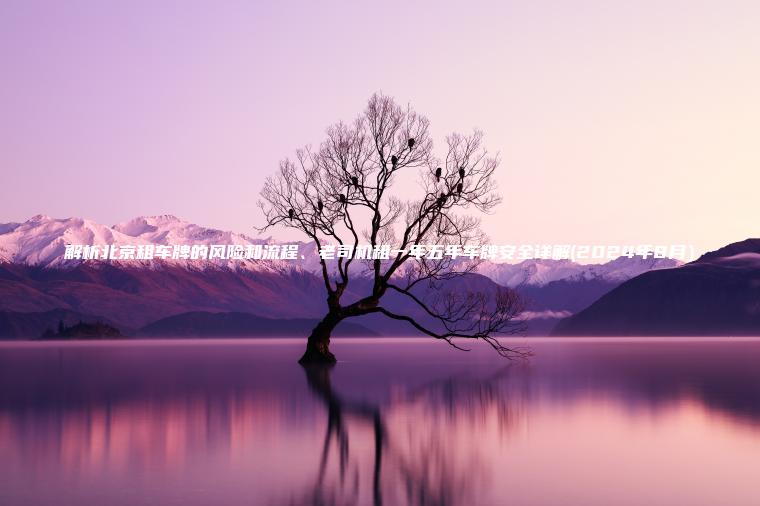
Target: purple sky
x,y
616,121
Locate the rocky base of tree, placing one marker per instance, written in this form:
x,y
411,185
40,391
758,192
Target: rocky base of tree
x,y
317,353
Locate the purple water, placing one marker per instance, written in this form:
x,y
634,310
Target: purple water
x,y
397,421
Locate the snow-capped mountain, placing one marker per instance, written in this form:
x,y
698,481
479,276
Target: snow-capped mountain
x,y
133,293
168,229
42,241
529,272
540,272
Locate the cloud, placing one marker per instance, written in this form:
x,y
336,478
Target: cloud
x,y
544,315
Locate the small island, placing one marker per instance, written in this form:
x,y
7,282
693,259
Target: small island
x,y
82,330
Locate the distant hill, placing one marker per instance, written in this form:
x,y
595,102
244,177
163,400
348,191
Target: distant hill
x,y
718,294
132,297
204,324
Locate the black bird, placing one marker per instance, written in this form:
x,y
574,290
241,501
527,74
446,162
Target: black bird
x,y
320,205
438,174
394,160
342,198
355,181
461,172
291,213
459,188
410,143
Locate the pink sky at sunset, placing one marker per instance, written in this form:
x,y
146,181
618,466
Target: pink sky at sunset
x,y
633,122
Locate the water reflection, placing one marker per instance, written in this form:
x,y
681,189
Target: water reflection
x,y
413,463
398,422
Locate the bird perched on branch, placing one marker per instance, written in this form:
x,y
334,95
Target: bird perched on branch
x,y
342,198
410,143
291,212
438,174
355,181
461,172
394,160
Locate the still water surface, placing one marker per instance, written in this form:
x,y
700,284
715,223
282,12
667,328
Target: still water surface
x,y
397,421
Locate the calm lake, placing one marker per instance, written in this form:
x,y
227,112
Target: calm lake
x,y
397,421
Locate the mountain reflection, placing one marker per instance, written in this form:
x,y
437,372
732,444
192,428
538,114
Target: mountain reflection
x,y
396,423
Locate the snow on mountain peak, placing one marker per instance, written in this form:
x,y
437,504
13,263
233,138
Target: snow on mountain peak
x,y
8,227
39,218
148,224
539,272
42,240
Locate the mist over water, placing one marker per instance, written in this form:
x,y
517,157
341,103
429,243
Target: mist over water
x,y
397,421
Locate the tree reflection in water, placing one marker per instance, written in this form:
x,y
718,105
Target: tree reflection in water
x,y
419,463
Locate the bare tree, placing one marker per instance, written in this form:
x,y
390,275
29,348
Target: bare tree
x,y
341,194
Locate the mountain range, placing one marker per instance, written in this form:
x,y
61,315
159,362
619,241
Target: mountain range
x,y
36,280
41,241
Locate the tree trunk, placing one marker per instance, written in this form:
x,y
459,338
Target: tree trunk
x,y
318,344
